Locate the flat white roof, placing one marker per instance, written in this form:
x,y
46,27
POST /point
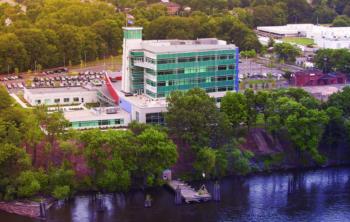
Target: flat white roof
x,y
58,90
178,46
93,115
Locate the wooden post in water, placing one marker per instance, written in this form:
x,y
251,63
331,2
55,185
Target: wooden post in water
x,y
42,207
100,203
217,192
178,197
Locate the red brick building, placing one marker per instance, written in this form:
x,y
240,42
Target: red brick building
x,y
316,77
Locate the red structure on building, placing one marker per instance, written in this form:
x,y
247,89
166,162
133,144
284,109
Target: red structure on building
x,y
112,91
316,77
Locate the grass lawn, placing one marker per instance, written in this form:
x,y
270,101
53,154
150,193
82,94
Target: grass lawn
x,y
299,41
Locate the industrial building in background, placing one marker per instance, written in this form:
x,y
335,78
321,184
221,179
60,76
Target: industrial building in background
x,y
323,36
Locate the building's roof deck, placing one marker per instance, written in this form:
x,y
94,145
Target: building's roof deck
x,y
139,100
177,46
59,90
94,115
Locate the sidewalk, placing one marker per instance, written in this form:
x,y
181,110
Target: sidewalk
x,y
18,100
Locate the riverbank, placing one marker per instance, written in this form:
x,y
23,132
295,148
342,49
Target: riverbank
x,y
305,195
31,209
27,208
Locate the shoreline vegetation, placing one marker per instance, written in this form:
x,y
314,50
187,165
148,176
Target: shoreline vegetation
x,y
252,132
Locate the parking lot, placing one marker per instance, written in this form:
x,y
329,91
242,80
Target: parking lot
x,y
53,79
252,68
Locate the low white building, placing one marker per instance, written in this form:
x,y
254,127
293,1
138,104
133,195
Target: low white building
x,y
60,96
98,118
324,37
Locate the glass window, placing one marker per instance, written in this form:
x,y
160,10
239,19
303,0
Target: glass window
x,y
161,95
161,84
187,59
171,82
222,67
149,60
211,69
207,58
76,99
155,118
166,61
150,71
150,82
210,90
38,101
66,100
137,116
223,57
166,72
103,122
57,100
231,67
221,89
180,71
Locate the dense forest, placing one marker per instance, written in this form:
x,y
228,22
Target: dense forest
x,y
53,33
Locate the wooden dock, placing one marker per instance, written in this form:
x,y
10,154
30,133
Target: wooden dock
x,y
188,193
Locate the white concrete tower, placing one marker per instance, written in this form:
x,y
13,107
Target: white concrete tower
x,y
132,40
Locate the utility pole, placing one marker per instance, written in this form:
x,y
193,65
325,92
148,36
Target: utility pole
x,y
85,57
325,60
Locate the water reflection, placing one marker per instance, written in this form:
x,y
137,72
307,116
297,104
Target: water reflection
x,y
321,195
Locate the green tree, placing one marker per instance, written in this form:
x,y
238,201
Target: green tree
x,y
28,185
36,46
286,52
306,131
341,101
5,98
341,21
12,53
156,153
111,33
235,107
191,116
205,161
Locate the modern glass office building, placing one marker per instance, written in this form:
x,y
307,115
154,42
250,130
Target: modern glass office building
x,y
158,67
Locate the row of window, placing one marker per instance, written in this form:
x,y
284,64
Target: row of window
x,y
190,81
155,118
193,59
58,100
193,70
98,123
208,90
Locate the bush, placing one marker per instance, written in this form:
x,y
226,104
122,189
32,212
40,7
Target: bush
x,y
28,184
61,192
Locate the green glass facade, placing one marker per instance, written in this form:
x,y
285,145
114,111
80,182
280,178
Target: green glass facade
x,y
137,73
97,123
213,71
132,34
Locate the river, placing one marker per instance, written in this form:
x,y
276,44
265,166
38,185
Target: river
x,y
311,195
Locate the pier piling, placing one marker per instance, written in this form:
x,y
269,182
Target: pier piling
x,y
217,192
